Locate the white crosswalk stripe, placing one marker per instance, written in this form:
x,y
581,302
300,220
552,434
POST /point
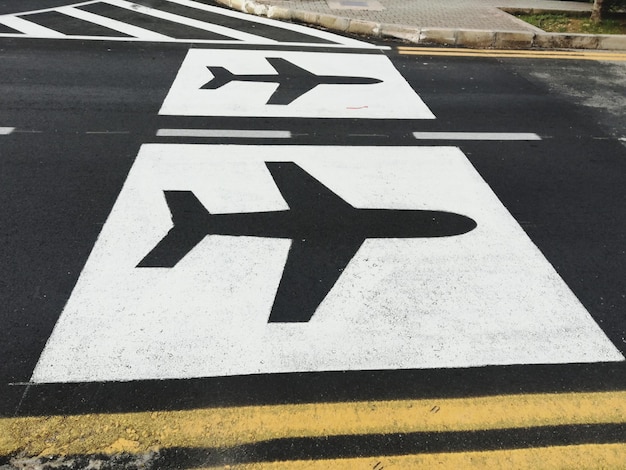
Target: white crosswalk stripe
x,y
269,22
233,33
129,18
29,28
110,23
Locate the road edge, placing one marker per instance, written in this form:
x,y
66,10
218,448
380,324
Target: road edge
x,y
482,39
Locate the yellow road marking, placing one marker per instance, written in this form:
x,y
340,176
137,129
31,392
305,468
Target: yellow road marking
x,y
225,427
608,456
506,53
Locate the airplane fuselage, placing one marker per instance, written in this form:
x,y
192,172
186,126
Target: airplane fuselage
x,y
312,80
293,81
361,223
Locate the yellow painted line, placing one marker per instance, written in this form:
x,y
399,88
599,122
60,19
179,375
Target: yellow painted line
x,y
607,456
226,427
505,53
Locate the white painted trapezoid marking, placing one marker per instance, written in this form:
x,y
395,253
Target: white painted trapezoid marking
x,y
487,297
391,98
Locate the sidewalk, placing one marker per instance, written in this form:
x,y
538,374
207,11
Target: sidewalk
x,y
463,23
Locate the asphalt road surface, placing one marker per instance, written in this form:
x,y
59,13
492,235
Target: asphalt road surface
x,y
121,151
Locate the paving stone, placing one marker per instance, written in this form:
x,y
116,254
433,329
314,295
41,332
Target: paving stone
x,y
364,28
410,34
566,41
438,36
474,38
612,42
514,40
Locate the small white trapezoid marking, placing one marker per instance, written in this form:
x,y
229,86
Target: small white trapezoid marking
x,y
378,90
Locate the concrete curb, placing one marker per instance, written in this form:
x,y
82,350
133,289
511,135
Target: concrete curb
x,y
435,36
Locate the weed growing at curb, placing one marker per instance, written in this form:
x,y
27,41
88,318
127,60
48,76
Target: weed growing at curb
x,y
564,23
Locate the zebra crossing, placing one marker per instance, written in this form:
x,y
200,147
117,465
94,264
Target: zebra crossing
x,y
186,21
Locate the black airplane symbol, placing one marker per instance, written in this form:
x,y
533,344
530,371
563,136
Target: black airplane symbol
x,y
325,230
293,81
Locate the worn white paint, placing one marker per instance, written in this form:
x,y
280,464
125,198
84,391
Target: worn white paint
x,y
227,133
486,297
476,136
392,98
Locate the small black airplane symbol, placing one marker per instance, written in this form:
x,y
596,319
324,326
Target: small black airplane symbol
x,y
293,81
325,230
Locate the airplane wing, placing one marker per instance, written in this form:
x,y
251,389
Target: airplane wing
x,y
313,267
294,81
304,194
318,257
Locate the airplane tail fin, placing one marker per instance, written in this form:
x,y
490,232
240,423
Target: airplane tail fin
x,y
221,77
190,220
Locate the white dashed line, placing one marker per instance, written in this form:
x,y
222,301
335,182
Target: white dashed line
x,y
475,136
248,134
6,130
107,132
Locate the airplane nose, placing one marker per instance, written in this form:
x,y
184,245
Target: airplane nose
x,y
426,224
451,224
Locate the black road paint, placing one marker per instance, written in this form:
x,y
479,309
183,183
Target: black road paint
x,y
325,230
293,81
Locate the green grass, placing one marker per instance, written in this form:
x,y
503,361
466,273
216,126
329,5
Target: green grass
x,y
563,23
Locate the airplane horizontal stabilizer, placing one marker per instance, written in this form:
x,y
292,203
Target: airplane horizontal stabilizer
x,y
221,77
190,220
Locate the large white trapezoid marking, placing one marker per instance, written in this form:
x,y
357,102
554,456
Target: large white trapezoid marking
x,y
389,96
485,297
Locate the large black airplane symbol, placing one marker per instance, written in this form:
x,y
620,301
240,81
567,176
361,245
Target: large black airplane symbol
x,y
293,81
325,232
